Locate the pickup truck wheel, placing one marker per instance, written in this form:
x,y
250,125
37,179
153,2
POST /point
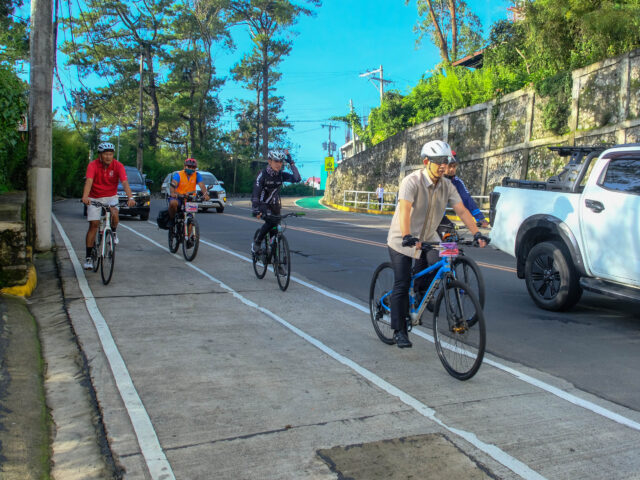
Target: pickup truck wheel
x,y
552,280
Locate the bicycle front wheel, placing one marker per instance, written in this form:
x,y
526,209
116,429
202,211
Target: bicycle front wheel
x,y
95,253
282,263
380,302
459,329
191,242
260,259
174,237
109,257
468,271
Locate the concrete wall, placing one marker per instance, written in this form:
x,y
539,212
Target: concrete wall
x,y
506,137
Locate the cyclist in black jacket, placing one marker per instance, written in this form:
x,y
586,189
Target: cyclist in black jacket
x,y
265,200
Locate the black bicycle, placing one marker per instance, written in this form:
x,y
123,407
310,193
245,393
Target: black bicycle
x,y
185,229
274,249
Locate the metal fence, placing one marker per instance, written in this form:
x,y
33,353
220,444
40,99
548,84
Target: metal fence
x,y
369,200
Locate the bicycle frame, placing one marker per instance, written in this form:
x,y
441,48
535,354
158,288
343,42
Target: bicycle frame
x,y
105,225
443,268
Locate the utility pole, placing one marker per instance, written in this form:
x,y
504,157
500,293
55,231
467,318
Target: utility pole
x,y
140,157
39,188
330,146
380,79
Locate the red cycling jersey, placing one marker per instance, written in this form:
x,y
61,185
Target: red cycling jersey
x,y
105,179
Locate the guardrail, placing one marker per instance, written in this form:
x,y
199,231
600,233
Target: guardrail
x,y
369,200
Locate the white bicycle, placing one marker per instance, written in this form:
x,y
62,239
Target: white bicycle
x,y
103,253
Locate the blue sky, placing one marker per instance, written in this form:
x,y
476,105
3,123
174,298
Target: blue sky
x,y
330,51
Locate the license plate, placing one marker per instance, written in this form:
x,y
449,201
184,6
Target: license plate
x,y
191,207
207,204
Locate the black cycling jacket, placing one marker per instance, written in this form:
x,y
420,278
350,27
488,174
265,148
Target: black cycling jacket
x,y
266,188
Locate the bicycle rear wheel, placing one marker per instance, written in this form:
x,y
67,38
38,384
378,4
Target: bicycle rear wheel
x,y
174,237
260,259
282,262
109,258
468,271
459,329
191,243
380,302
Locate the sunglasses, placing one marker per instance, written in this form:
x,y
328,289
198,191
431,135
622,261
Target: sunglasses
x,y
277,161
442,160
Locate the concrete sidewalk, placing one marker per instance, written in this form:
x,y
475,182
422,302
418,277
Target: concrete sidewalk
x,y
41,362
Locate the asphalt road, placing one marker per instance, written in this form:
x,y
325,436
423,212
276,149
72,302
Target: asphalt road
x,y
595,346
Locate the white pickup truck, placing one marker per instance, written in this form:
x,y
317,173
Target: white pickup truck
x,y
580,230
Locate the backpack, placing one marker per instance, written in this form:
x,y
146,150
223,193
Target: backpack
x,y
163,219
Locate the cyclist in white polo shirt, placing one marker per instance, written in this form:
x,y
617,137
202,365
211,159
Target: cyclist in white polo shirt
x,y
422,199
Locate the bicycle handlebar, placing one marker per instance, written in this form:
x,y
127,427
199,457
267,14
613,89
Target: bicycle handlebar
x,y
100,204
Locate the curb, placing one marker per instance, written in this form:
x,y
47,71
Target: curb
x,y
356,210
23,290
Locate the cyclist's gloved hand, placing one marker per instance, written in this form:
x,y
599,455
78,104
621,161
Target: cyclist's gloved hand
x,y
409,241
288,157
479,236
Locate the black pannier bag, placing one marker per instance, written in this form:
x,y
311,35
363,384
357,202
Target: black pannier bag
x,y
163,219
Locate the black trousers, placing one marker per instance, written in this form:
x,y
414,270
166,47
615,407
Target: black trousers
x,y
268,224
402,270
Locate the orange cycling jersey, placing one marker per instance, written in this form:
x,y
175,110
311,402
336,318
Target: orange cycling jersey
x,y
187,184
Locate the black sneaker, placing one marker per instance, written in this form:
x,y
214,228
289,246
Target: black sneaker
x,y
402,339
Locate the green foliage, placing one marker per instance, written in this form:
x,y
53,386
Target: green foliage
x,y
569,34
13,146
557,90
14,44
454,40
70,160
297,190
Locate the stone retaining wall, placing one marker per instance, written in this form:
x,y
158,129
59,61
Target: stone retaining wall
x,y
14,253
506,137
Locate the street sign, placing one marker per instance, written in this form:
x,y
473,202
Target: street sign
x,y
328,164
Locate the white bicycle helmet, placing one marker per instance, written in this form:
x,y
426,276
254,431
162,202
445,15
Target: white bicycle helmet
x,y
436,148
106,146
276,155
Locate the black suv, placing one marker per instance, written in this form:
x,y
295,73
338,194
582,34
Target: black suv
x,y
140,191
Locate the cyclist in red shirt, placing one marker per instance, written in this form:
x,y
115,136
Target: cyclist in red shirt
x,y
101,184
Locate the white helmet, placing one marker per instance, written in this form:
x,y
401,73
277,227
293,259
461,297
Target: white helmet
x,y
436,148
106,146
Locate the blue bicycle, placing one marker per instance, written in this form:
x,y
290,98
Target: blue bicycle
x,y
458,320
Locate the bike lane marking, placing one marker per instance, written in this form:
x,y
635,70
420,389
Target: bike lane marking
x,y
558,392
493,451
155,459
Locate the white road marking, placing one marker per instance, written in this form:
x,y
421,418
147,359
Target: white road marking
x,y
569,397
157,463
493,451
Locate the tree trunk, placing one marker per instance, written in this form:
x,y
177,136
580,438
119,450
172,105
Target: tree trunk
x,y
440,40
454,30
265,100
152,92
257,117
